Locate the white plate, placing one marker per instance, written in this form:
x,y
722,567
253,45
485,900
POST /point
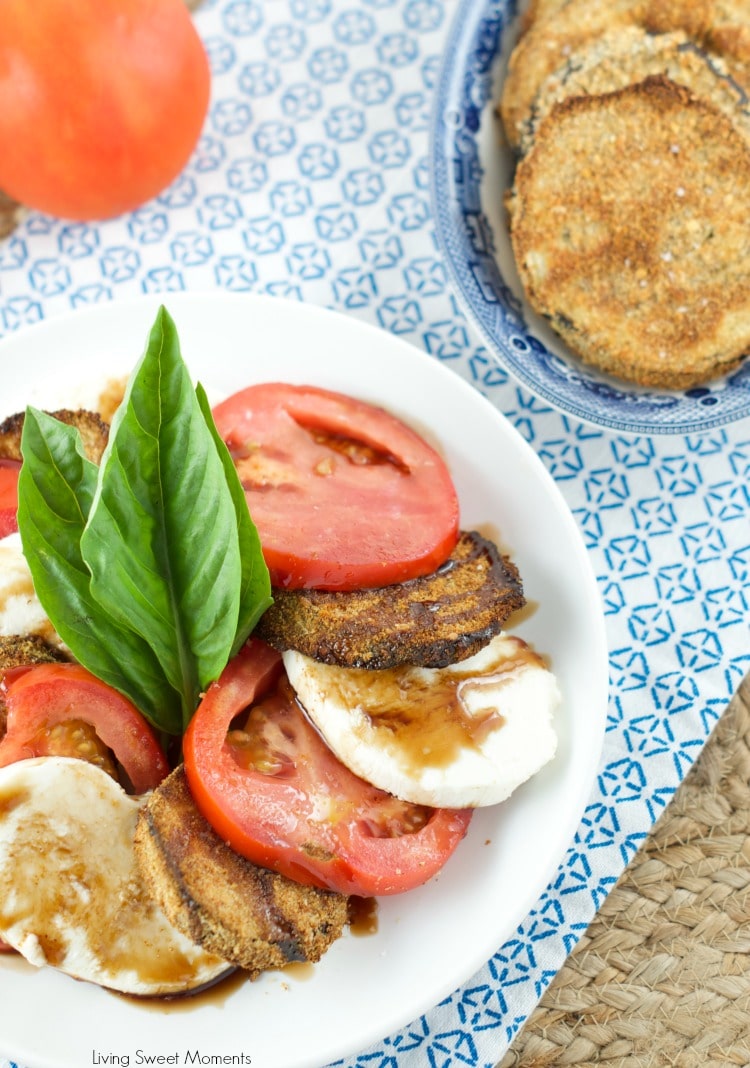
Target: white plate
x,y
431,940
471,167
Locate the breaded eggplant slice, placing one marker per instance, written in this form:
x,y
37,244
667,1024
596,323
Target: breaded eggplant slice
x,y
549,43
431,621
92,428
616,60
538,10
630,224
729,32
255,918
19,649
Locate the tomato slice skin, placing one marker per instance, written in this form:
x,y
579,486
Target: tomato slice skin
x,y
311,818
344,495
40,696
9,471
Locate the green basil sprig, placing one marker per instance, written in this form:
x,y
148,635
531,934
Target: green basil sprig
x,y
149,566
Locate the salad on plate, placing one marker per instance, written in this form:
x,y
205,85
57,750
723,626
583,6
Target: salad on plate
x,y
253,670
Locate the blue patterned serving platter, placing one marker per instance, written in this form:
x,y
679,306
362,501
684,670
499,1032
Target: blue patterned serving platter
x,y
471,168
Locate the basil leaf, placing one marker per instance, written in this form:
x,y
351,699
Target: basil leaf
x,y
161,539
56,487
255,586
149,567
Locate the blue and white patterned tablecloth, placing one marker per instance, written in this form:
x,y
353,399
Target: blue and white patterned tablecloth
x,y
311,181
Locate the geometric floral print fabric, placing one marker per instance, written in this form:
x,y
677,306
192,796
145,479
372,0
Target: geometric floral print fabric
x,y
311,182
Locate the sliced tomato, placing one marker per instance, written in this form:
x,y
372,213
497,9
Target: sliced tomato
x,y
9,470
41,697
274,791
343,494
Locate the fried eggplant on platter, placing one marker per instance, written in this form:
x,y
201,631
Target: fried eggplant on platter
x,y
630,226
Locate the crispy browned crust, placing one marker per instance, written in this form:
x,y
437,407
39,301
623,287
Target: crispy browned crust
x,y
434,621
630,224
93,430
255,918
549,42
617,59
729,33
537,11
19,649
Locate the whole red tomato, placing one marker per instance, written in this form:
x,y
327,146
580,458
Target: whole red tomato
x,y
101,102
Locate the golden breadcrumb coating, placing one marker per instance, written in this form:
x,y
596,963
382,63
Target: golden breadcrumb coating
x,y
434,620
630,224
93,430
615,60
255,918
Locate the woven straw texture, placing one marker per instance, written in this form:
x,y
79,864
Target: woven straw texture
x,y
662,975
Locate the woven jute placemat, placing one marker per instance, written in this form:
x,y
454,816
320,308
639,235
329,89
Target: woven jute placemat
x,y
662,975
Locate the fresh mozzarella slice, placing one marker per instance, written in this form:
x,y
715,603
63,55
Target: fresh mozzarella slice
x,y
70,893
456,737
20,610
